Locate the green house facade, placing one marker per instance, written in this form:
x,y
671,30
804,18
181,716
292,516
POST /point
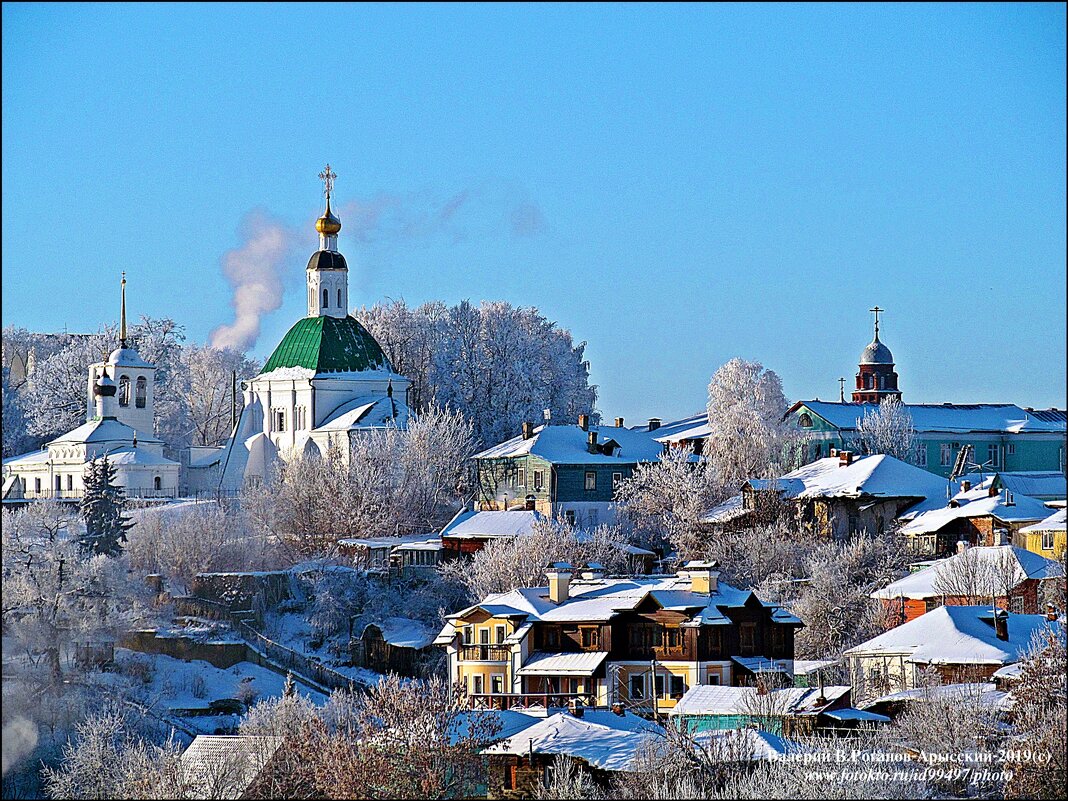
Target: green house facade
x,y
567,471
1004,437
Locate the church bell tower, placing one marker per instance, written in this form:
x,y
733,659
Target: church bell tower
x,y
328,273
876,378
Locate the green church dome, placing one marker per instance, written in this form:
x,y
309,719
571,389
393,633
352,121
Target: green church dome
x,y
328,345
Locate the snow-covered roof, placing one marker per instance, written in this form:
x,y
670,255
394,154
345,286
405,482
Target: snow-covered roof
x,y
137,456
877,476
403,632
802,667
366,412
956,635
716,699
223,766
989,560
688,428
748,745
102,430
567,444
601,599
849,713
598,744
570,664
761,664
383,542
26,459
1035,483
1055,522
1013,671
1002,418
487,525
986,693
126,357
1023,509
730,509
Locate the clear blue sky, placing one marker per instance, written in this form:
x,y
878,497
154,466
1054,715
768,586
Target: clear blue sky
x,y
676,185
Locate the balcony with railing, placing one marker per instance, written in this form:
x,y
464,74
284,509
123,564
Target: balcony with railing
x,y
78,494
485,653
530,700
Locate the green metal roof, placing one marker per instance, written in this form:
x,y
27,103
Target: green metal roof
x,y
327,345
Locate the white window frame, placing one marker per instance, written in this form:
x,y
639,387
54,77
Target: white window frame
x,y
1010,449
617,479
1047,540
590,483
539,480
921,455
945,454
993,454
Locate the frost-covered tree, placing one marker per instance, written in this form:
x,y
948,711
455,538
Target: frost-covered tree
x,y
402,739
888,430
105,760
54,395
16,439
665,500
103,507
507,563
835,601
51,593
1040,713
205,382
749,437
181,541
392,481
498,364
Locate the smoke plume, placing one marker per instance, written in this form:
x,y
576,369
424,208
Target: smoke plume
x,y
255,271
20,738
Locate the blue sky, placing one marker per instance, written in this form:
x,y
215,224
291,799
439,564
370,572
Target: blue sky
x,y
677,185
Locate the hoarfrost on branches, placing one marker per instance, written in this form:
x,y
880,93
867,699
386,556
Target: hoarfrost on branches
x,y
749,437
499,364
888,430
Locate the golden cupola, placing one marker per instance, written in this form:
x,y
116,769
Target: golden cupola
x,y
328,224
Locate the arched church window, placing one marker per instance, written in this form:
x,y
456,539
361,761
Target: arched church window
x,y
142,392
157,483
326,298
339,297
70,483
805,420
59,483
124,390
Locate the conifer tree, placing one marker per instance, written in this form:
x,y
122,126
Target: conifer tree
x,y
103,507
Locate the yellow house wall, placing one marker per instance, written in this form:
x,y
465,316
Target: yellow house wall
x,y
1032,541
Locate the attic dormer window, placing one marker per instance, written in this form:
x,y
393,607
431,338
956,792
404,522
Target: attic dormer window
x,y
805,420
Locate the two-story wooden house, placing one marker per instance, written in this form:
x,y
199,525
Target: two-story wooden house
x,y
567,471
642,642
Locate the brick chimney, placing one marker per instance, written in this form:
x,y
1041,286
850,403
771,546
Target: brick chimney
x,y
591,443
584,422
845,458
559,576
704,578
1001,624
654,423
619,422
528,430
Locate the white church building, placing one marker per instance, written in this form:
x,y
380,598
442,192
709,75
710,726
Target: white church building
x,y
118,425
327,381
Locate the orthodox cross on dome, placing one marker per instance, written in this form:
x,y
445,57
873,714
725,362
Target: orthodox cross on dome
x,y
327,176
877,312
841,389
